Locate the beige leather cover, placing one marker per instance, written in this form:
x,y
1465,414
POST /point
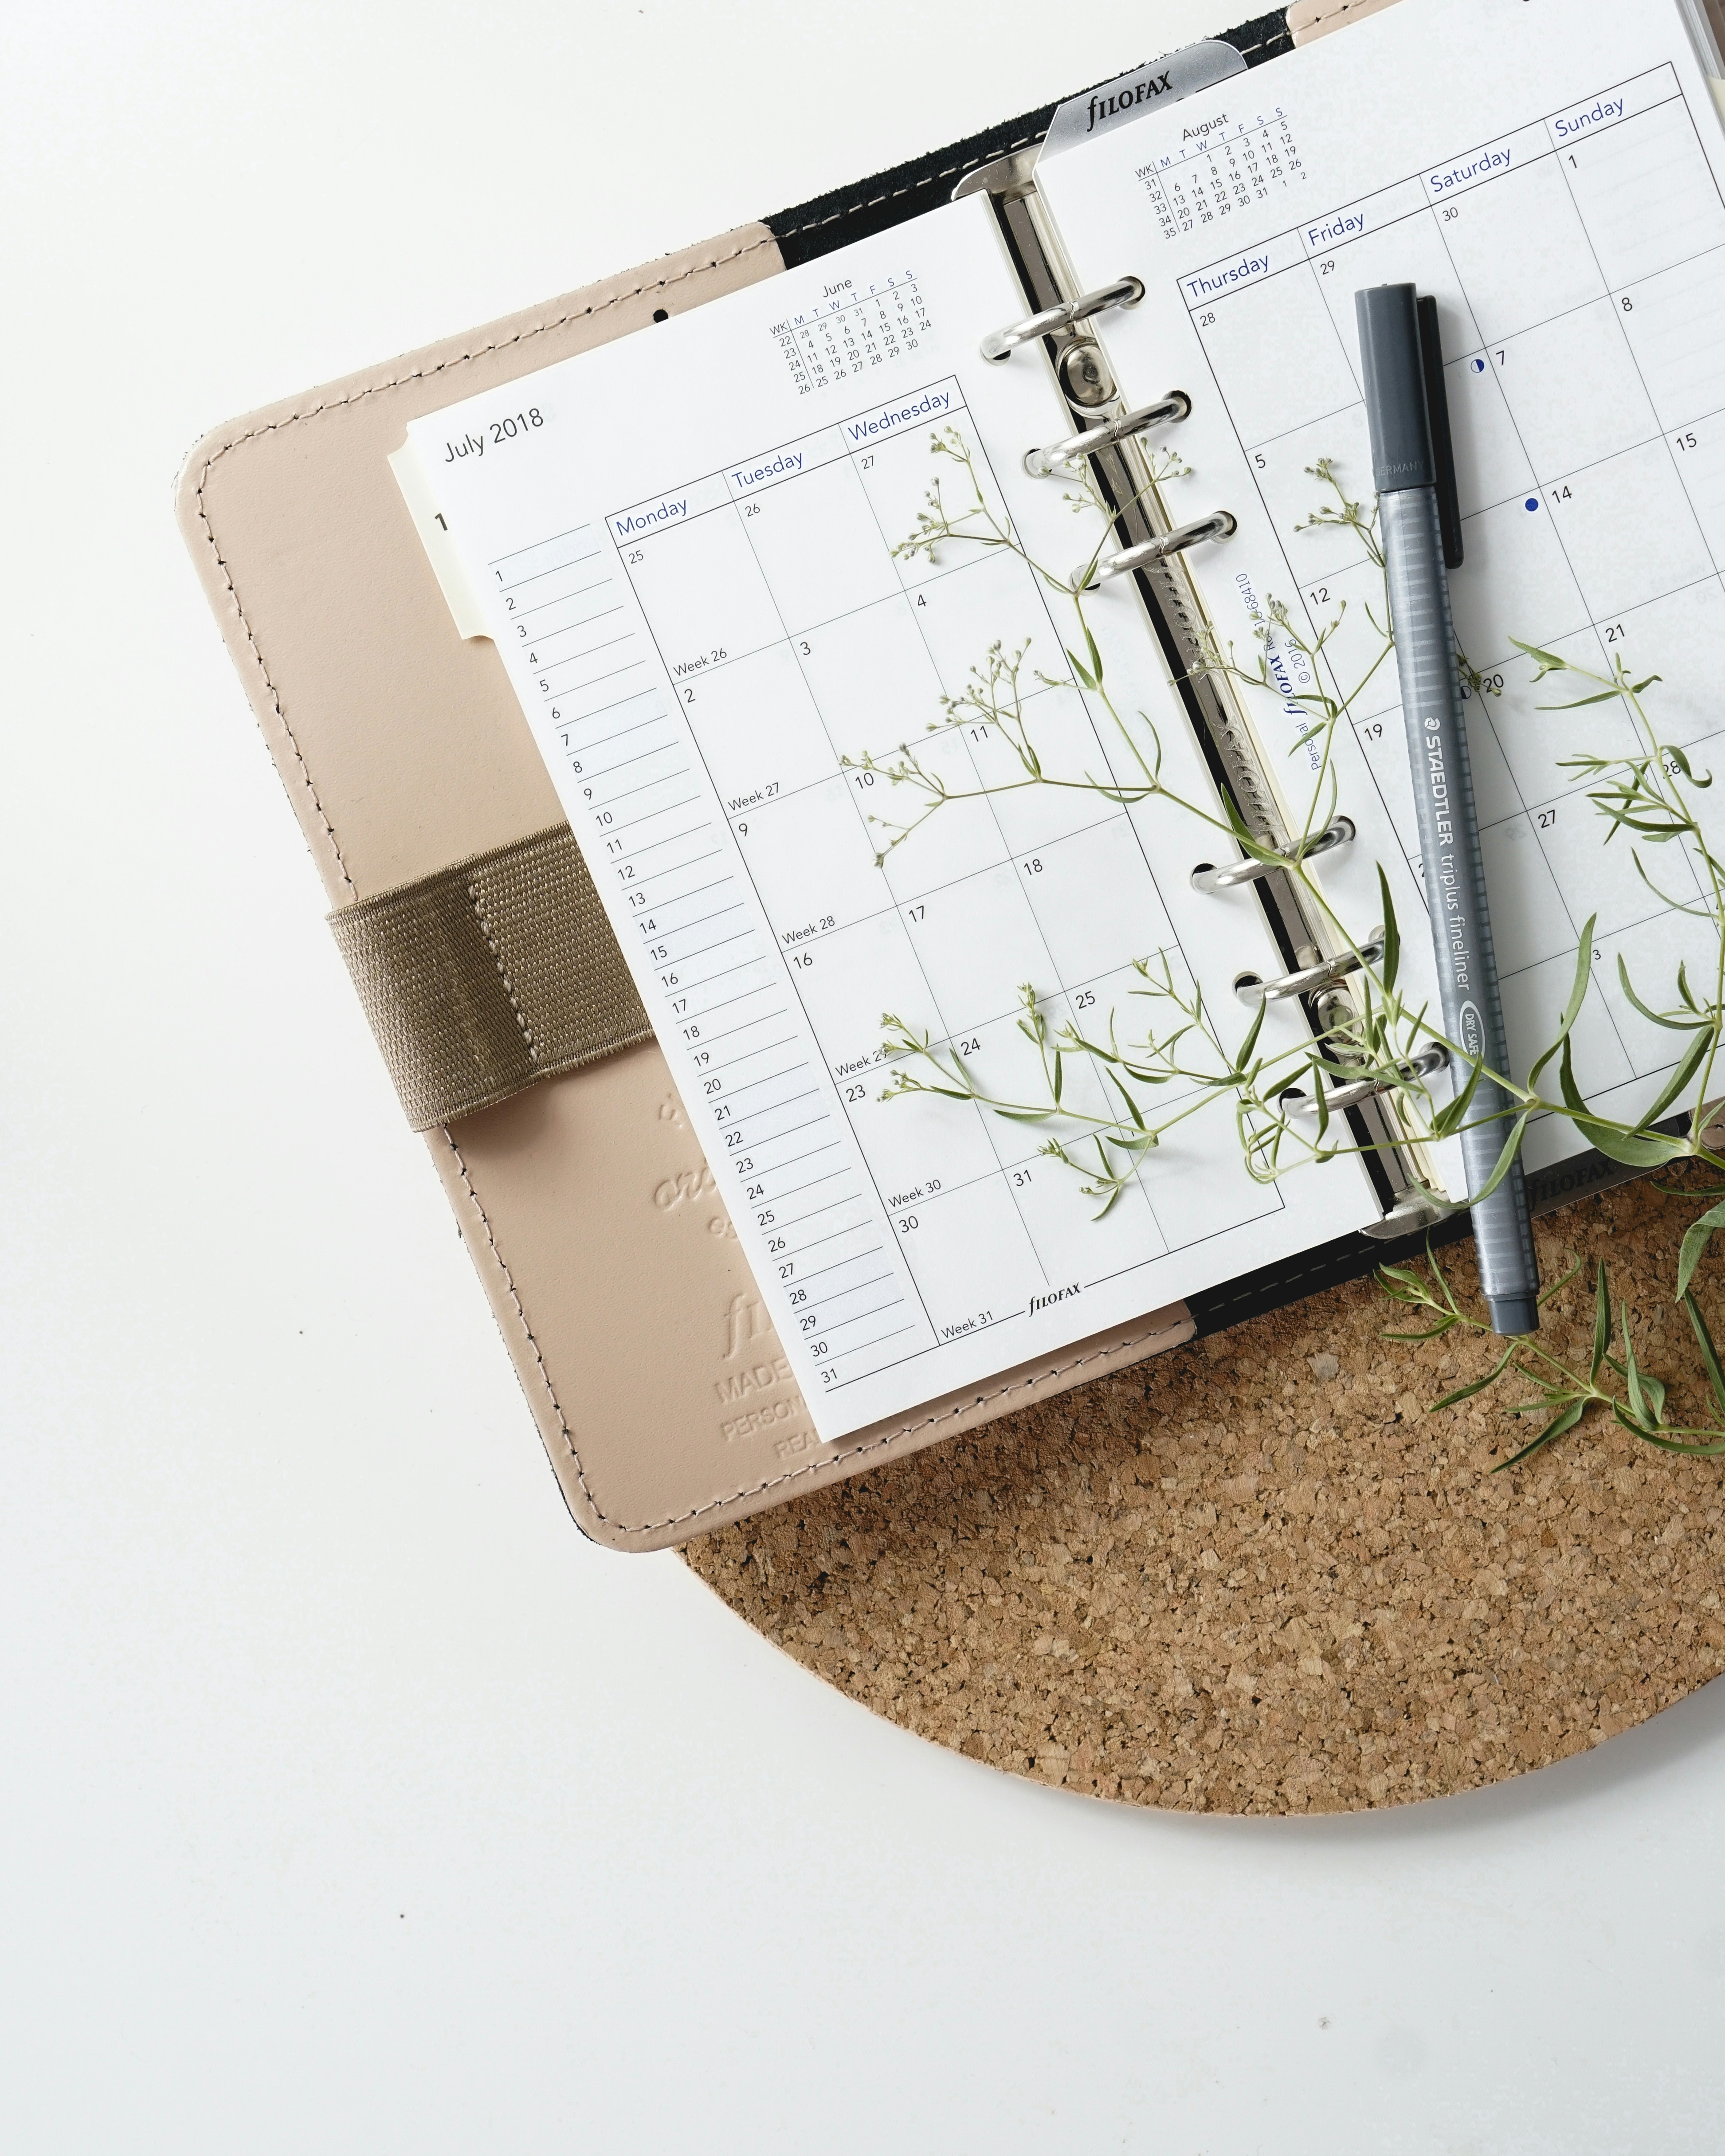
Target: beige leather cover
x,y
658,1387
1316,18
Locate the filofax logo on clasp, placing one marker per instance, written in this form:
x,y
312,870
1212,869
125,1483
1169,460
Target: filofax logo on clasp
x,y
1141,92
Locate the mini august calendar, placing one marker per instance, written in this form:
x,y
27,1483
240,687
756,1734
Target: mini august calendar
x,y
721,629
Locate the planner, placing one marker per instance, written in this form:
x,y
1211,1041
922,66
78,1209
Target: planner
x,y
803,780
720,649
727,635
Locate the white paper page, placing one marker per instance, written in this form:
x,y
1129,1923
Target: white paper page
x,y
695,528
1549,170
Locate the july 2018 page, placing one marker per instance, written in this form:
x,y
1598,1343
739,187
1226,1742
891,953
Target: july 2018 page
x,y
1550,170
690,546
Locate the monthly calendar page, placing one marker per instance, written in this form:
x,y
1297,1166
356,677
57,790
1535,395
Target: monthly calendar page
x,y
1549,170
687,542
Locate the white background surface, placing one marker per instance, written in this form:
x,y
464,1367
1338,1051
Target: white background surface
x,y
349,1800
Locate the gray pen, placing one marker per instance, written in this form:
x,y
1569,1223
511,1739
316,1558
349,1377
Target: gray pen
x,y
1404,379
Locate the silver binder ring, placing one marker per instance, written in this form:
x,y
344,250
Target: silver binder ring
x,y
1043,463
1123,292
1206,877
1220,526
1430,1058
1310,980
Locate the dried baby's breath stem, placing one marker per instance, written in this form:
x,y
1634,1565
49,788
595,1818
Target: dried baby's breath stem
x,y
1167,1057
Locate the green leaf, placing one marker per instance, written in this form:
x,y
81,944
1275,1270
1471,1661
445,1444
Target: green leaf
x,y
1392,934
1632,1373
1556,1427
1602,1324
1466,1392
1709,1353
1095,656
1676,755
1695,1243
1681,1077
1557,1286
1443,1326
1505,1159
1451,1117
1132,1106
1086,678
1604,696
1672,1024
1250,1042
1615,1145
1439,1277
1405,1287
1549,663
1577,996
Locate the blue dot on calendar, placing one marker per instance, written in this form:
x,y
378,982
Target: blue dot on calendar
x,y
1531,502
1479,367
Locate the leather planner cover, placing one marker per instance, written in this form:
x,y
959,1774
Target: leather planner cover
x,y
662,1396
658,1386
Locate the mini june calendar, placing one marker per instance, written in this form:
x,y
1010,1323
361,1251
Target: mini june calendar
x,y
1570,223
851,329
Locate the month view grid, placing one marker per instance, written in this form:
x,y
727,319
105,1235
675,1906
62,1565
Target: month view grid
x,y
1580,267
793,636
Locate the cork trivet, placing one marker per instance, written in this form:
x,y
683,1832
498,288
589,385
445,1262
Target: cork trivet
x,y
1252,1575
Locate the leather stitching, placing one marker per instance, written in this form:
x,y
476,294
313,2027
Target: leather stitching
x,y
359,397
508,1280
274,694
774,1482
910,186
424,374
477,903
1330,15
955,171
909,1429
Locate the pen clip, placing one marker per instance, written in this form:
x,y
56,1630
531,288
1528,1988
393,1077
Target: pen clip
x,y
1443,448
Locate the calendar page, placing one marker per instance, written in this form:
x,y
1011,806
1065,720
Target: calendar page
x,y
688,542
1549,170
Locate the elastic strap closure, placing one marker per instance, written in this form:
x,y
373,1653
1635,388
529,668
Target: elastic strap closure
x,y
484,978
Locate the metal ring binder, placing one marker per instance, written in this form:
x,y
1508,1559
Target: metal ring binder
x,y
1311,979
1207,878
1123,292
1043,463
1219,526
1168,589
1432,1057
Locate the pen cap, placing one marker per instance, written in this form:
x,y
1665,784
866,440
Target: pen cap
x,y
1391,361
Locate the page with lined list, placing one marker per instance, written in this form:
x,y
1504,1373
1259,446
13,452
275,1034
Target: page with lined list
x,y
688,545
1551,172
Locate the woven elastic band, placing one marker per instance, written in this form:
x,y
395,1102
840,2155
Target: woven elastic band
x,y
489,976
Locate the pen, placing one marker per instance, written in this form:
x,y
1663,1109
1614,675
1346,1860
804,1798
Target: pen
x,y
1402,367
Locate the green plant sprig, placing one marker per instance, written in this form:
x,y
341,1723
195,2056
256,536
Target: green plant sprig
x,y
1565,1393
1375,1033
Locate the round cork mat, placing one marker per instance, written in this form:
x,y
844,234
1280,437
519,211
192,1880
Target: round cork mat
x,y
1253,1575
